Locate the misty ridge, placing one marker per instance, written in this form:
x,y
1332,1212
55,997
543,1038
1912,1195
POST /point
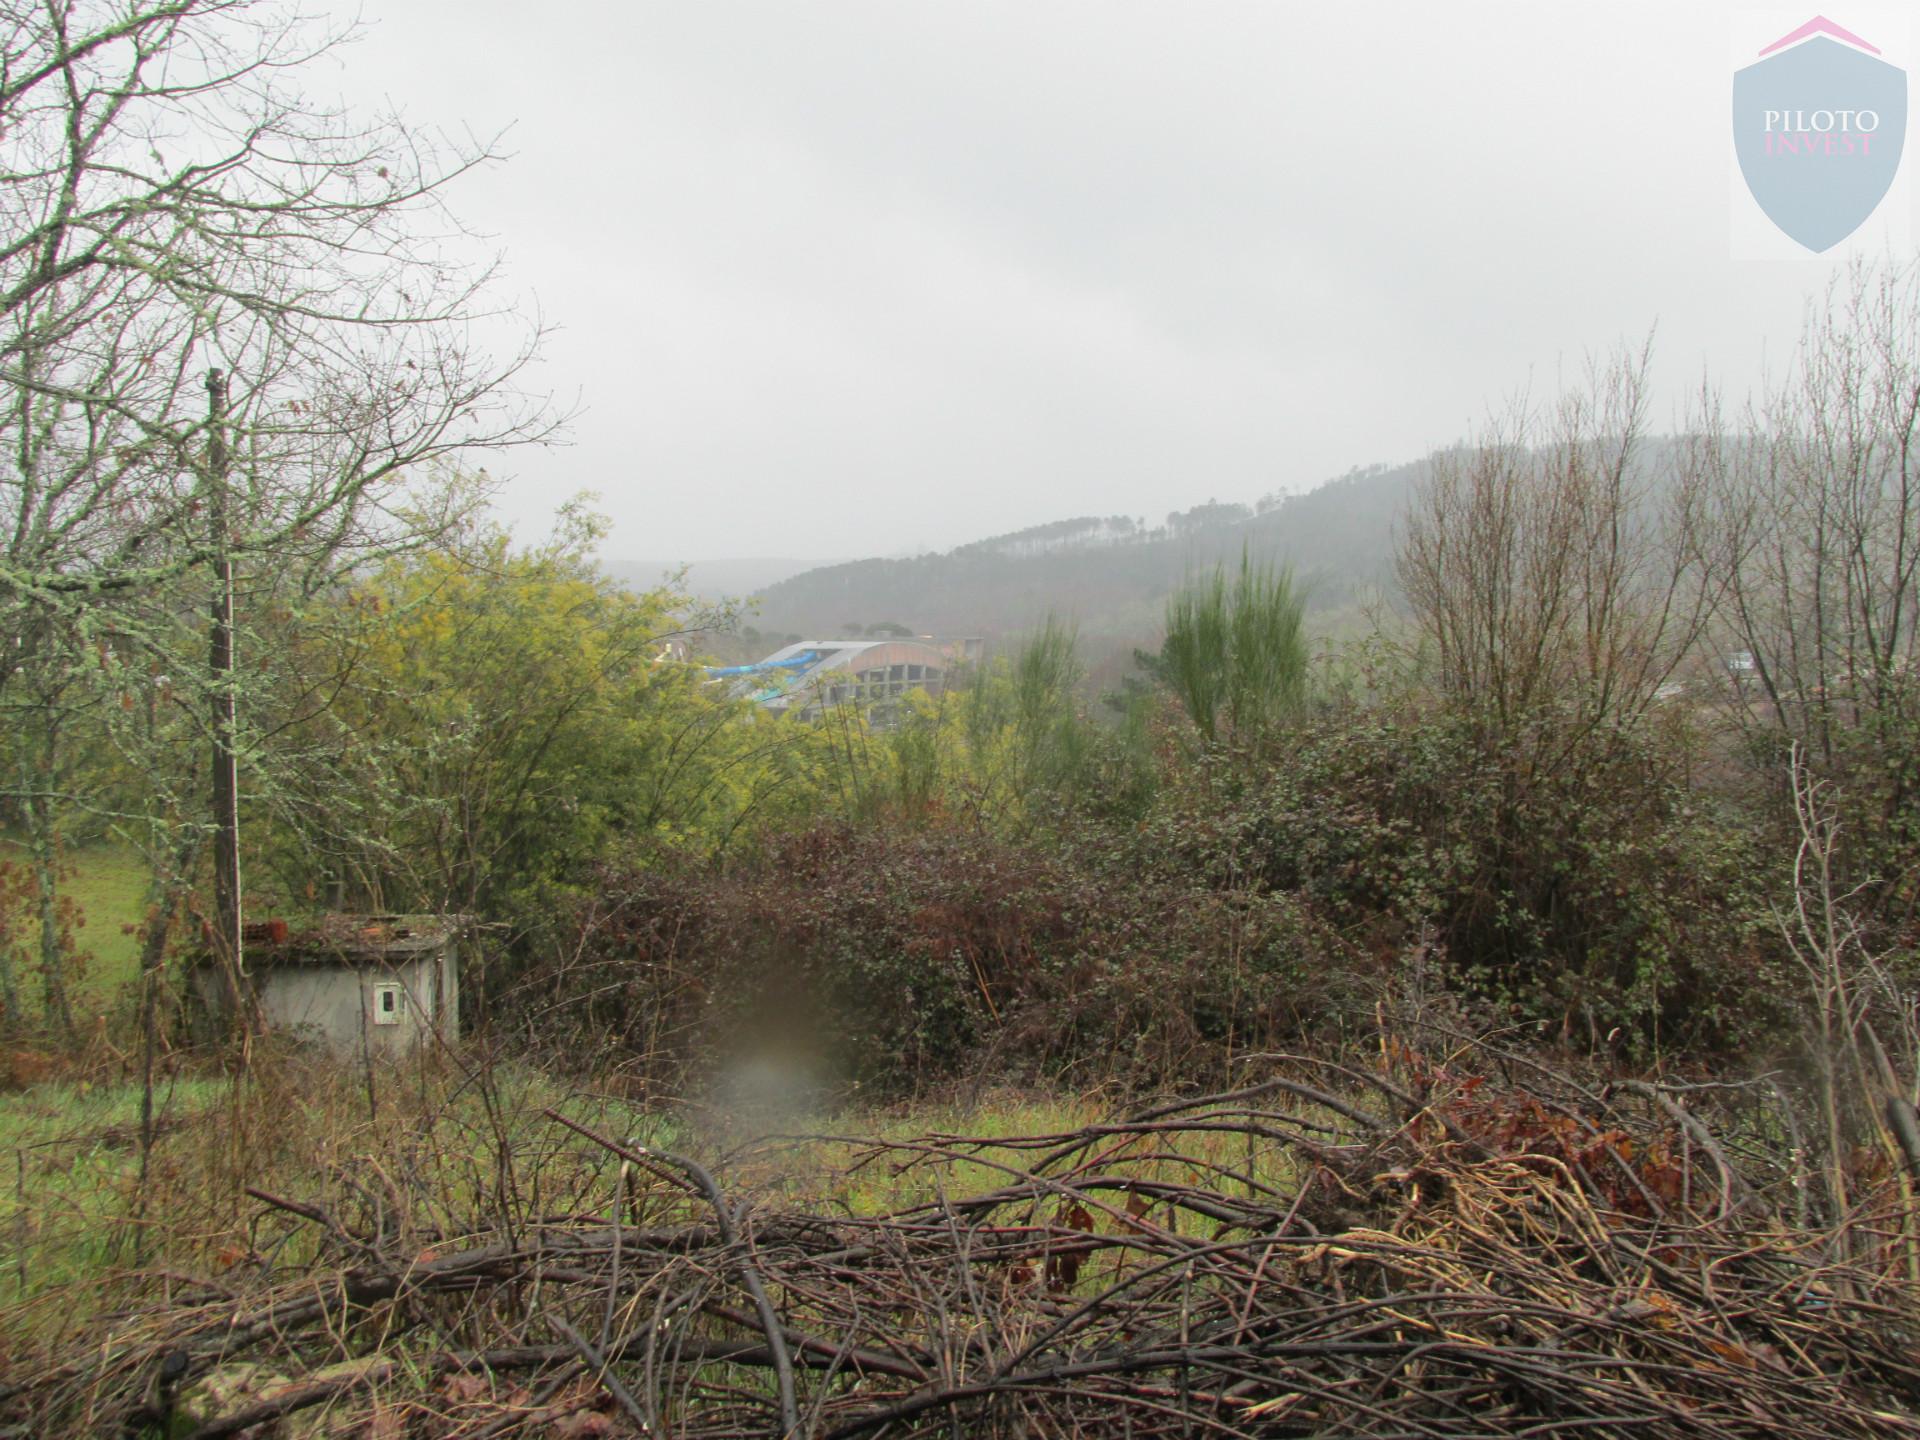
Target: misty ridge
x,y
1110,577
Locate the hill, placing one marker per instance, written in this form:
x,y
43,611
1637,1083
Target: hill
x,y
1110,575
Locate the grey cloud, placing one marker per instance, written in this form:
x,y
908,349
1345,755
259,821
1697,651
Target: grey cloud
x,y
850,277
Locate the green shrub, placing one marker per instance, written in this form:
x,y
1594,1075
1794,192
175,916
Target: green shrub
x,y
1600,899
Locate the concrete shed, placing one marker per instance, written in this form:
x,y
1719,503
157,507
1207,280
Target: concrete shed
x,y
378,984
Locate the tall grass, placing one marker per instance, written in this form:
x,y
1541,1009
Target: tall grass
x,y
1236,651
84,1229
1050,739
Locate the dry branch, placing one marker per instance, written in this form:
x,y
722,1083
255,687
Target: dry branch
x,y
1482,1263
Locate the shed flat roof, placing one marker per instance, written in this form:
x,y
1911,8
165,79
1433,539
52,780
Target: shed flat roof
x,y
349,939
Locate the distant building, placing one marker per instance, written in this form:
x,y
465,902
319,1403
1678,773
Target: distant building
x,y
813,676
375,984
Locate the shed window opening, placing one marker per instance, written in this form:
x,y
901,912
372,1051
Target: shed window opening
x,y
386,1004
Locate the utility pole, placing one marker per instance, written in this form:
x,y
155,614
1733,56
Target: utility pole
x,y
226,775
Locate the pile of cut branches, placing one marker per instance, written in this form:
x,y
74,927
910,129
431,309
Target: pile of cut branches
x,y
1388,1250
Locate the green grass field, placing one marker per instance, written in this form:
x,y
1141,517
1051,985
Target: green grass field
x,y
109,883
72,1157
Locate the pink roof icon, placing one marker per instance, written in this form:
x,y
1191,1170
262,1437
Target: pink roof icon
x,y
1819,25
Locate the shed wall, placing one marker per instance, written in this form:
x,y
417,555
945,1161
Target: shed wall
x,y
335,1003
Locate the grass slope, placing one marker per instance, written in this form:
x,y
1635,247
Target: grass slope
x,y
108,882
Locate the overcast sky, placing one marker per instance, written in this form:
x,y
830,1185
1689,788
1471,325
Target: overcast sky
x,y
837,279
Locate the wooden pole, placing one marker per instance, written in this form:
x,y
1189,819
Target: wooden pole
x,y
226,773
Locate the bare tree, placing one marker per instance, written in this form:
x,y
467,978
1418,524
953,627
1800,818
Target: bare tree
x,y
1821,497
167,208
1554,564
1860,1021
177,224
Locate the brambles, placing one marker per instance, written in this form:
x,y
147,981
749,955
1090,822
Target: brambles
x,y
1592,898
903,959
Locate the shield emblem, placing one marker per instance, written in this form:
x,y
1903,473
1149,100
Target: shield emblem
x,y
1818,127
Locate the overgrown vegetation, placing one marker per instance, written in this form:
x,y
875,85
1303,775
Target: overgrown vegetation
x,y
1620,800
1368,1244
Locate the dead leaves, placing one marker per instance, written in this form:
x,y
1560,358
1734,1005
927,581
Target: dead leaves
x,y
1063,1266
471,1402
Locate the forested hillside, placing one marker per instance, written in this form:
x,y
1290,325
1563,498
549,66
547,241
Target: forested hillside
x,y
1110,575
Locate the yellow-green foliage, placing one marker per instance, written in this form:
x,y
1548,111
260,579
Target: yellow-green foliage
x,y
998,751
512,715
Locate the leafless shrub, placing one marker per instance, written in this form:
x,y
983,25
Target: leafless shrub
x,y
1554,565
